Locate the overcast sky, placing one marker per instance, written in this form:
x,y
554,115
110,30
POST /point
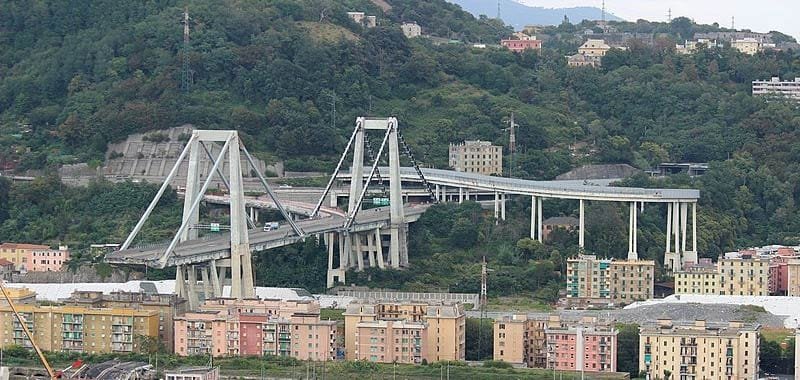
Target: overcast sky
x,y
759,16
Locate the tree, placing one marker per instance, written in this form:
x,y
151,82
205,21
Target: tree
x,y
628,349
479,332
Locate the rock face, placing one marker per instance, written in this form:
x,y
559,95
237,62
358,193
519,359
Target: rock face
x,y
610,171
86,273
150,156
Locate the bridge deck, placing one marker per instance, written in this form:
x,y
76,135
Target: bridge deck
x,y
218,246
589,190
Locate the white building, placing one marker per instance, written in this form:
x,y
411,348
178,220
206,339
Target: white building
x,y
690,47
411,29
477,157
775,87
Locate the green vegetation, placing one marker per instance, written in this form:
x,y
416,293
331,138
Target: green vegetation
x,y
331,314
292,368
777,357
628,349
76,78
523,304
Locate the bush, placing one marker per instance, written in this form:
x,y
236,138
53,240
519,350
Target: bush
x,y
497,364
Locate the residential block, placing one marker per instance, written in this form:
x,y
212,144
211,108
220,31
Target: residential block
x,y
699,350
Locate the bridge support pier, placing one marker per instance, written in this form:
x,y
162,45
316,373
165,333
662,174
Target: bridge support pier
x,y
496,207
581,225
633,253
503,206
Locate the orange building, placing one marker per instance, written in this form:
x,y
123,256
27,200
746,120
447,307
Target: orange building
x,y
391,341
445,324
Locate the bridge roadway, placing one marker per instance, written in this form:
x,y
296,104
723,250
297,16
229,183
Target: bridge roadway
x,y
218,246
598,190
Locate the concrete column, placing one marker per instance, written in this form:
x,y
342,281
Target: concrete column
x,y
694,227
503,206
397,247
242,285
357,170
379,248
581,229
329,245
460,195
676,211
438,195
684,209
496,207
359,251
180,282
631,228
192,188
344,256
192,279
533,217
208,290
669,228
539,219
466,194
371,249
215,283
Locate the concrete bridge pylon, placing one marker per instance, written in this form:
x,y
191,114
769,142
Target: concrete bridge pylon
x,y
239,265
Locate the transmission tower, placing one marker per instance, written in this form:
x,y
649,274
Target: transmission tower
x,y
603,14
185,65
512,143
498,9
483,300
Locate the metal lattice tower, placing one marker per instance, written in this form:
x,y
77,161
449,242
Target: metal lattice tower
x,y
185,64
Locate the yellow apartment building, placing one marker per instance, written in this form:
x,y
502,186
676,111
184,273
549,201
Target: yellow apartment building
x,y
520,340
446,323
744,275
698,278
793,288
699,350
80,329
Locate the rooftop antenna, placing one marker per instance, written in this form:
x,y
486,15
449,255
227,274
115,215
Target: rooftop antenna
x,y
498,9
733,23
669,15
185,65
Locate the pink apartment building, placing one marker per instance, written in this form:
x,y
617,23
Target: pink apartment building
x,y
589,345
779,270
225,327
34,257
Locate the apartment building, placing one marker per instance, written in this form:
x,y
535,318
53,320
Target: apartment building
x,y
391,341
699,350
749,46
268,306
19,296
445,325
776,88
225,327
34,257
477,157
588,345
743,274
78,329
793,278
698,278
594,48
521,341
593,281
166,305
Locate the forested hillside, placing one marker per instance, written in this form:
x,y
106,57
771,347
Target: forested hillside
x,y
73,79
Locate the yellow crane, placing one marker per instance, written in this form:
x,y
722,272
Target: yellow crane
x,y
53,374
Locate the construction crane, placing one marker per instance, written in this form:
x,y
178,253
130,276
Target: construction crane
x,y
53,374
